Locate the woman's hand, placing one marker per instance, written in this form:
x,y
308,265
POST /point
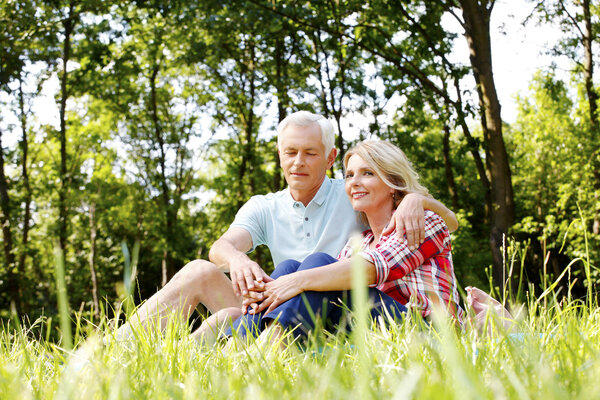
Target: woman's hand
x,y
277,292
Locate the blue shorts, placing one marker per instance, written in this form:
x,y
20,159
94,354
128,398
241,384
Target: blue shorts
x,y
300,313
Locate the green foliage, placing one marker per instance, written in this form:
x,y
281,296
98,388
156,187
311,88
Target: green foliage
x,y
552,177
170,121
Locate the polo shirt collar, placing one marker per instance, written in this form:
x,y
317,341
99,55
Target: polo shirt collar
x,y
321,195
323,192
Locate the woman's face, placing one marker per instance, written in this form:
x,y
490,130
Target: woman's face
x,y
366,190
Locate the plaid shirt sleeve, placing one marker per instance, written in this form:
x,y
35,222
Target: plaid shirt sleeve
x,y
392,257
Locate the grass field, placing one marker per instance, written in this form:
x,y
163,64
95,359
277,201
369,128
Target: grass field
x,y
551,352
556,355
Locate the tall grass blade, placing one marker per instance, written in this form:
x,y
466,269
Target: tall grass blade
x,y
63,303
360,309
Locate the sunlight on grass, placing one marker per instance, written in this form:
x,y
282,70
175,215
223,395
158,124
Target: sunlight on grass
x,y
552,352
554,355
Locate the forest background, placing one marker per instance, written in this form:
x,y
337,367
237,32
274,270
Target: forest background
x,y
167,115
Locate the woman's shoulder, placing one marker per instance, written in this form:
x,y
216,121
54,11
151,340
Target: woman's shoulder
x,y
432,218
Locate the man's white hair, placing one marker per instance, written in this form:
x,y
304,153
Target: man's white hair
x,y
305,118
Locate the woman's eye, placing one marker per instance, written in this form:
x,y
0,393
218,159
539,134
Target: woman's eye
x,y
368,173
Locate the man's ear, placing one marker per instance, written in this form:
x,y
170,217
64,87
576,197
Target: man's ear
x,y
331,157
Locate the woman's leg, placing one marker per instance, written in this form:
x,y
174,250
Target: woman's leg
x,y
301,312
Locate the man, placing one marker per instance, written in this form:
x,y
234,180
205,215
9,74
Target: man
x,y
312,215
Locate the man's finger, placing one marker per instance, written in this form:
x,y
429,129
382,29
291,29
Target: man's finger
x,y
390,226
249,280
410,235
421,231
253,295
257,272
234,283
241,282
399,227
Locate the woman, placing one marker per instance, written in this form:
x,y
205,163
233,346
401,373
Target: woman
x,y
378,176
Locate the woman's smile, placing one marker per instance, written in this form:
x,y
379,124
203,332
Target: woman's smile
x,y
366,190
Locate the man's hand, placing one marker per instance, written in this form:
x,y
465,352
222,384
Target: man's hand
x,y
409,217
275,292
229,254
247,275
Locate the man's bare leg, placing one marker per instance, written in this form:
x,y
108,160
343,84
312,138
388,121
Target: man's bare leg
x,y
216,324
197,282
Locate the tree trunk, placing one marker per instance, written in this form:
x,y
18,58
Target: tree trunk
x,y
474,149
68,25
282,102
26,186
248,145
592,95
168,267
12,278
476,23
448,168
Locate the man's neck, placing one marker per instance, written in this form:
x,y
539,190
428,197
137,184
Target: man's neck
x,y
306,196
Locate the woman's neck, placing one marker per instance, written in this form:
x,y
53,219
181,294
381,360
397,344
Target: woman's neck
x,y
378,220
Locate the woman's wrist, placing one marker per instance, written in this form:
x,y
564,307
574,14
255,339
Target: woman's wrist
x,y
302,280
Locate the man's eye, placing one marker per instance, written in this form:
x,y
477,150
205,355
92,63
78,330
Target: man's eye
x,y
348,176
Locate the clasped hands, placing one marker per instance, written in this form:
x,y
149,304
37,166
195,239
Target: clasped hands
x,y
269,295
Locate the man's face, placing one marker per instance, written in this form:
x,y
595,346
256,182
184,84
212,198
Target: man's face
x,y
303,158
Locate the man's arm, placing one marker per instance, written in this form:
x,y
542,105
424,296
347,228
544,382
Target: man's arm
x,y
410,217
228,253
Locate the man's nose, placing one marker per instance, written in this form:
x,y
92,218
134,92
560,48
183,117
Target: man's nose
x,y
299,159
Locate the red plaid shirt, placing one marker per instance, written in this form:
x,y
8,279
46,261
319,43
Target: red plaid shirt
x,y
418,278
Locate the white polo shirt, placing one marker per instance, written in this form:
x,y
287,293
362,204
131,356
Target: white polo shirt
x,y
293,231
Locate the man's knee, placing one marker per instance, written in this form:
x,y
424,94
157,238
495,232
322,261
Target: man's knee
x,y
197,274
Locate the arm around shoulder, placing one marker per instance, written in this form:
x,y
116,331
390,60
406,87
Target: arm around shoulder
x,y
447,215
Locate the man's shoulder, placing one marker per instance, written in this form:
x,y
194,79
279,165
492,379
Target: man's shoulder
x,y
338,186
270,197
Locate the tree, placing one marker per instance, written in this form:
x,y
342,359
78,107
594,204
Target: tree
x,y
578,22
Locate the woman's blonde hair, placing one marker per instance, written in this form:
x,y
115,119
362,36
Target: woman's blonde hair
x,y
391,165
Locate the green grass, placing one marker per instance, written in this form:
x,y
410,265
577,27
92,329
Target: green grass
x,y
557,357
